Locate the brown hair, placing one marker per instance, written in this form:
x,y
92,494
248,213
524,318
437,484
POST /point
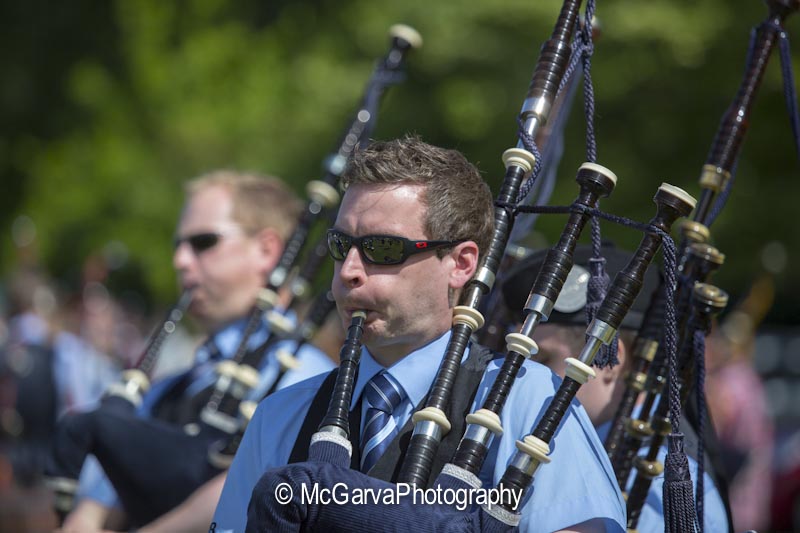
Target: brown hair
x,y
458,202
258,201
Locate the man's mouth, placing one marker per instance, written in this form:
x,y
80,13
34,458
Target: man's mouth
x,y
349,310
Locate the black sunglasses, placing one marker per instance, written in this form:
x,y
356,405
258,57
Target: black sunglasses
x,y
199,242
380,249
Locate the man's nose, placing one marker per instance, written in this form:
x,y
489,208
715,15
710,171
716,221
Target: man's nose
x,y
182,257
351,271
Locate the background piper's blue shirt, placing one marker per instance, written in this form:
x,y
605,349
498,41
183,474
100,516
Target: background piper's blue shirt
x,y
93,482
652,518
576,486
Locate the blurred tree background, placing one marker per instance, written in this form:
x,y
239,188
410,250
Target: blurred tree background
x,y
107,107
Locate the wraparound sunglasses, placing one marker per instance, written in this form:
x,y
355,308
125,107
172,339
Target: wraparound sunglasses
x,y
380,249
199,242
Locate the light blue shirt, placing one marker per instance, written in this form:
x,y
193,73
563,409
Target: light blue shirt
x,y
651,519
578,484
93,482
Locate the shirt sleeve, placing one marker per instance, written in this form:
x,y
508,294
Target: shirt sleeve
x,y
94,485
312,363
578,484
267,443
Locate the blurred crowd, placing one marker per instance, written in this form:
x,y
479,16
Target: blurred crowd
x,y
60,348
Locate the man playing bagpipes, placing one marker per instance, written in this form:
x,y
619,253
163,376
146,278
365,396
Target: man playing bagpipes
x,y
414,223
229,237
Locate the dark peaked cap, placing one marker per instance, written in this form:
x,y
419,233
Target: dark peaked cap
x,y
570,307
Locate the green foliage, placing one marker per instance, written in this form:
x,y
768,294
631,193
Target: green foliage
x,y
149,94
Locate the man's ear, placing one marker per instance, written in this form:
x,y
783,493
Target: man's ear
x,y
270,248
465,262
618,372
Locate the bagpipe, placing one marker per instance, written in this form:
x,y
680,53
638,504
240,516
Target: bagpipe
x,y
332,442
154,464
222,451
660,389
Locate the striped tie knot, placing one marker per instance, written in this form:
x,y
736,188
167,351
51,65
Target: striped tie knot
x,y
383,394
208,351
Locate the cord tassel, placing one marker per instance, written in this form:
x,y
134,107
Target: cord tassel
x,y
679,513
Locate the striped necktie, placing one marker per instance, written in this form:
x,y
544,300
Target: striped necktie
x,y
383,394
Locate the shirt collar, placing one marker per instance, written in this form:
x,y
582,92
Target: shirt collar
x,y
228,337
602,430
414,372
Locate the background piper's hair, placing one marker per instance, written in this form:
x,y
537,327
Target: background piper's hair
x,y
458,202
258,201
573,337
